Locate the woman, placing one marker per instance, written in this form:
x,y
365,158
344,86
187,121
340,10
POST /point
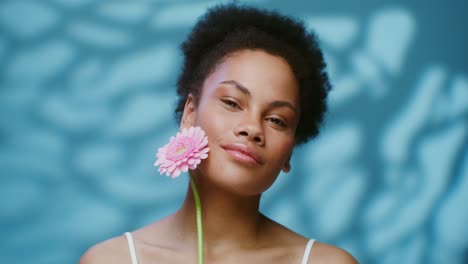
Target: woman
x,y
254,81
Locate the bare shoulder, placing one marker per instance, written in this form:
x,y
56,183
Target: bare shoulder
x,y
114,250
320,252
325,253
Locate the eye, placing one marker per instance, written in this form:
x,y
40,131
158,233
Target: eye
x,y
231,103
277,121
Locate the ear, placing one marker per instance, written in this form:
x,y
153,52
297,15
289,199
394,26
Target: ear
x,y
287,165
189,114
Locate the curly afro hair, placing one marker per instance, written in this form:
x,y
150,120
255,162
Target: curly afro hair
x,y
225,29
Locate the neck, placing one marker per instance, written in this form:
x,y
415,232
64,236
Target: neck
x,y
228,220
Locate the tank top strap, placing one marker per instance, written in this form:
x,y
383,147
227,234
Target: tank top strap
x,y
305,258
131,247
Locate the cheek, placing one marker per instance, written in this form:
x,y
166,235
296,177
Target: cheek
x,y
214,120
211,122
283,143
286,150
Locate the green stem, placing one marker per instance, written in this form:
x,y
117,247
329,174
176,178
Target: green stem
x,y
199,220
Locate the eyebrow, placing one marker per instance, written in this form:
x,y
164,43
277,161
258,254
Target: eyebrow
x,y
274,104
239,86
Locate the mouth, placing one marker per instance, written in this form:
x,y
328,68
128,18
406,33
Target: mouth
x,y
243,153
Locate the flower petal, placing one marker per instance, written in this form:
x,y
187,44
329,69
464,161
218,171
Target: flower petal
x,y
184,151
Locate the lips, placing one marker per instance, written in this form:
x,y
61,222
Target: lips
x,y
243,153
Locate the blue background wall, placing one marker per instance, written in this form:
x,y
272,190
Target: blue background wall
x,y
87,90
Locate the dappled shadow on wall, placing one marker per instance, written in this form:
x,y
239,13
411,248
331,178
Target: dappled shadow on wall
x,y
87,96
386,177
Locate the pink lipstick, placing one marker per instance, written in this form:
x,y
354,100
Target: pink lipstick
x,y
243,153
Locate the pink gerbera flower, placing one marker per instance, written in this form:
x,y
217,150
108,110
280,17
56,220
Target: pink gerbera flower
x,y
184,151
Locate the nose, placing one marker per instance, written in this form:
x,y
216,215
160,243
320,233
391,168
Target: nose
x,y
251,130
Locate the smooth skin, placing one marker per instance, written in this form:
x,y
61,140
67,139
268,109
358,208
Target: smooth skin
x,y
251,99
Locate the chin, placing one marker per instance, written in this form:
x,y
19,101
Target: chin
x,y
219,171
240,181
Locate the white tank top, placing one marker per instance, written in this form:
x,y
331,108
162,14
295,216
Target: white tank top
x,y
131,246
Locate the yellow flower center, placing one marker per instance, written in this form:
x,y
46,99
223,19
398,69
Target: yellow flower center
x,y
181,150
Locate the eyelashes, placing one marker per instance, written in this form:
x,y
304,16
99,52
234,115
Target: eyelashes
x,y
275,121
231,103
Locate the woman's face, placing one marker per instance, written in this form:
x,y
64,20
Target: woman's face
x,y
249,109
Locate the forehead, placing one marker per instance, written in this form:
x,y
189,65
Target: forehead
x,y
262,73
